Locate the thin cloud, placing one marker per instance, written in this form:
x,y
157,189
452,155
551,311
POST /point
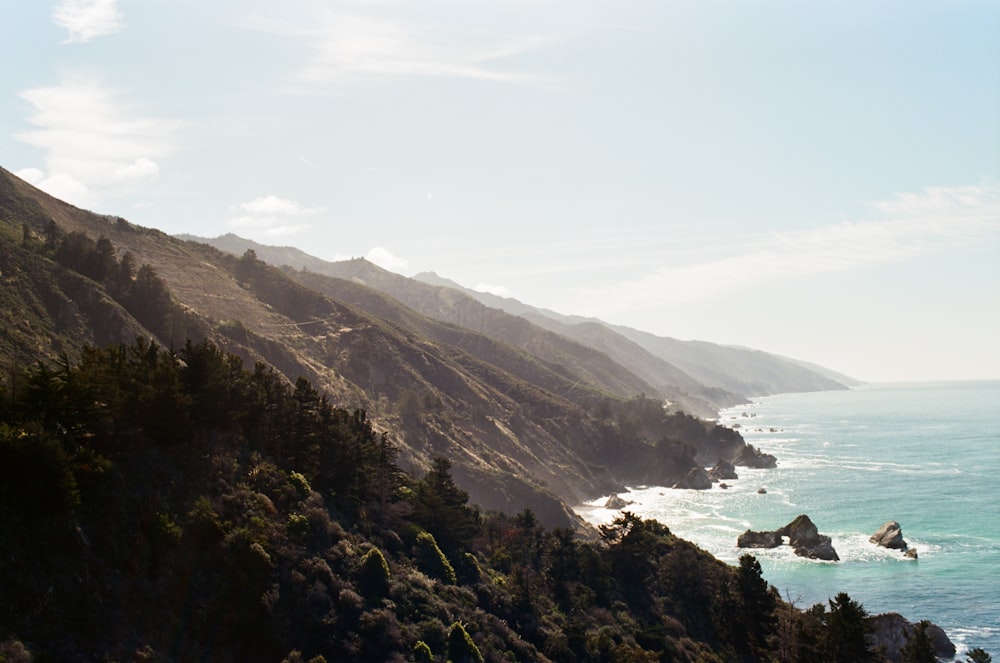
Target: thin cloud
x,y
89,136
272,216
910,225
345,47
87,19
498,290
385,259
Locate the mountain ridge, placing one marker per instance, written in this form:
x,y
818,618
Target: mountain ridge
x,y
701,376
523,430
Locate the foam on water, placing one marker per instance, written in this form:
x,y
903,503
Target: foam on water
x,y
924,455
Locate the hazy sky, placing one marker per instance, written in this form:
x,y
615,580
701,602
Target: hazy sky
x,y
820,180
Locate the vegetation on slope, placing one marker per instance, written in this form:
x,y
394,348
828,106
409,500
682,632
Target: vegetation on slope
x,y
178,506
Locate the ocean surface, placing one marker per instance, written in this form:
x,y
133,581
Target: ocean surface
x,y
924,454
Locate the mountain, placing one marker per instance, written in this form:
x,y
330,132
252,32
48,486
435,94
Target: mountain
x,y
541,423
724,370
699,377
205,457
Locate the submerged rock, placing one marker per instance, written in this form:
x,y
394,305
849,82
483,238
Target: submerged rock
x,y
890,535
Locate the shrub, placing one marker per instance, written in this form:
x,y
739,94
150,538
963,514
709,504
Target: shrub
x,y
374,578
431,560
461,648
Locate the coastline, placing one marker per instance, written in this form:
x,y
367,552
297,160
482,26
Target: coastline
x,y
922,453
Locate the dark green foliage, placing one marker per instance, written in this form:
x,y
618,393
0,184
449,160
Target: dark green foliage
x,y
439,506
374,575
461,648
918,647
180,506
431,560
978,655
422,652
848,628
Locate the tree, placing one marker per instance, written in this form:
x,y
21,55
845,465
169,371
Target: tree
x,y
461,648
978,655
918,647
847,631
756,603
439,506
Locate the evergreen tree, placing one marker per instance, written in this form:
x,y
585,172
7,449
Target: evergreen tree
x,y
847,630
918,647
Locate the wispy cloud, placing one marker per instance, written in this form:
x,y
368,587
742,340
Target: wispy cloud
x,y
86,19
385,259
498,290
91,140
908,225
272,216
349,46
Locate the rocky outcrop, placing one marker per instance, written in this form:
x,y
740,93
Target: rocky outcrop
x,y
890,535
616,502
751,456
696,479
722,471
802,535
751,539
893,630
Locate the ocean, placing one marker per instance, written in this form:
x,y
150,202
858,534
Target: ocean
x,y
924,454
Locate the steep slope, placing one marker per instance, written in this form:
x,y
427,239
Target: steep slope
x,y
597,355
731,369
448,305
520,432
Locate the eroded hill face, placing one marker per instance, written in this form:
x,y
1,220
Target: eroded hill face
x,y
537,426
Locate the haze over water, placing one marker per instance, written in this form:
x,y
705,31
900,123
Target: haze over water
x,y
924,454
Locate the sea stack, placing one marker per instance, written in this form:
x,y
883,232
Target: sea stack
x,y
890,535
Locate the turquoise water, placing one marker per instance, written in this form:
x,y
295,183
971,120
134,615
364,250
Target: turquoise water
x,y
926,455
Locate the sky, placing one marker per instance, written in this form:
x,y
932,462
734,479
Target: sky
x,y
817,180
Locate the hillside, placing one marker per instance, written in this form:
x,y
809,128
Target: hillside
x,y
522,429
720,369
700,377
204,457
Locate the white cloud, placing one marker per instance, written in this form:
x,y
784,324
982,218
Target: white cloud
x,y
272,216
498,290
87,134
348,46
140,169
387,260
60,185
86,19
910,225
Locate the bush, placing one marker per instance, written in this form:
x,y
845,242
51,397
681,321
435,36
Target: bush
x,y
431,560
461,648
374,578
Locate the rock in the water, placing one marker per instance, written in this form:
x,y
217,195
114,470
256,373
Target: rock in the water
x,y
762,491
722,471
911,553
723,485
890,535
696,479
616,502
751,539
802,536
893,630
822,549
